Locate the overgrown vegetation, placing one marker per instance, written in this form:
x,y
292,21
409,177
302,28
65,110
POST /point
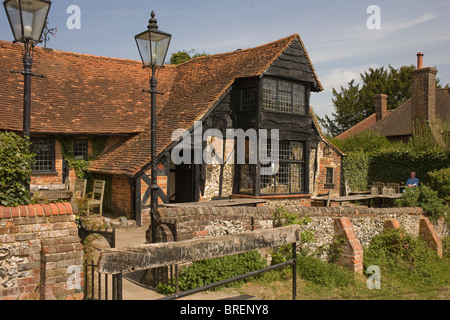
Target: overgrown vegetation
x,y
16,160
209,271
425,198
406,262
409,270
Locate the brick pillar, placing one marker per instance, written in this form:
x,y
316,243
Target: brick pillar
x,y
39,252
428,233
391,224
352,254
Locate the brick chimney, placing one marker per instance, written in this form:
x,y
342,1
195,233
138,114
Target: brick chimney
x,y
423,92
380,106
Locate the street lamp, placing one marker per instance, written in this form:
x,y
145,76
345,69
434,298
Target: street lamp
x,y
27,20
153,45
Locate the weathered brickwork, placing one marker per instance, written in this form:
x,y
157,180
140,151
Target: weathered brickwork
x,y
352,251
328,158
37,245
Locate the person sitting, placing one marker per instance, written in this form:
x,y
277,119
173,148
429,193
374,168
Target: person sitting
x,y
412,182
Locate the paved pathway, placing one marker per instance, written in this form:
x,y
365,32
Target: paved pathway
x,y
133,289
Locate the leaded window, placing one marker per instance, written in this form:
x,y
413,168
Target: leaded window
x,y
289,173
249,99
45,155
284,96
80,149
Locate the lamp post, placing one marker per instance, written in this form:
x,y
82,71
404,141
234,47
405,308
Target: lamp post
x,y
27,20
153,45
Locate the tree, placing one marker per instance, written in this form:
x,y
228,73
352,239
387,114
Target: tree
x,y
356,102
183,56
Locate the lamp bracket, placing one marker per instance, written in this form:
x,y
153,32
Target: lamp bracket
x,y
151,91
30,73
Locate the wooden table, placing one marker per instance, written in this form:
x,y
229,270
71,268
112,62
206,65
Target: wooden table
x,y
215,203
362,197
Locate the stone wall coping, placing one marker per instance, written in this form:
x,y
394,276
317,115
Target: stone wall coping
x,y
38,210
266,212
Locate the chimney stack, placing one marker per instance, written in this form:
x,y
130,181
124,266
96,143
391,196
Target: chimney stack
x,y
423,92
380,106
420,60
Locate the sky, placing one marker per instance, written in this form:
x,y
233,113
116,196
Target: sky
x,y
335,32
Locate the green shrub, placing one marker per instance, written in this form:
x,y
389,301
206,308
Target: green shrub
x,y
401,256
366,141
324,274
425,198
440,181
356,170
209,271
396,166
15,169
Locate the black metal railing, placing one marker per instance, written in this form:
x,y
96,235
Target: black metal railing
x,y
101,286
292,262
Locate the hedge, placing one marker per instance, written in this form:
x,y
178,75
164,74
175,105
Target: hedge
x,y
396,166
362,169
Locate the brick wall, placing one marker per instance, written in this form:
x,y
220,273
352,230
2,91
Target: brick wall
x,y
331,160
54,178
121,195
37,245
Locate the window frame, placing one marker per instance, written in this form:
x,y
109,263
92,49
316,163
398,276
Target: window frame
x,y
241,99
85,156
329,178
291,92
287,163
52,170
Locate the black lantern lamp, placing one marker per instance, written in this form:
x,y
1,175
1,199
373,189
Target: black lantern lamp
x,y
153,45
27,20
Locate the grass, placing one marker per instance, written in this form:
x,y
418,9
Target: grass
x,y
409,271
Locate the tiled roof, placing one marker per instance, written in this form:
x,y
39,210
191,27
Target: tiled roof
x,y
80,94
398,121
360,126
198,85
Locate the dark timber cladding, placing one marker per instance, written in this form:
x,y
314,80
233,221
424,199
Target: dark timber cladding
x,y
293,64
143,257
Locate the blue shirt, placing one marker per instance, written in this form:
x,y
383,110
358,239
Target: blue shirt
x,y
414,181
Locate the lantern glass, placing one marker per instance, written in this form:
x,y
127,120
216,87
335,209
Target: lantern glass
x,y
153,46
27,18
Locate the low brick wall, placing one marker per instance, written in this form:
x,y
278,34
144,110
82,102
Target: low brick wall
x,y
37,245
365,224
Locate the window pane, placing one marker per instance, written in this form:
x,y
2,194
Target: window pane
x,y
296,151
329,179
284,101
284,86
270,94
249,99
246,181
283,179
80,149
299,105
43,148
295,176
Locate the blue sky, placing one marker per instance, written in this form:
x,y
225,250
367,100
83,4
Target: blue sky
x,y
334,32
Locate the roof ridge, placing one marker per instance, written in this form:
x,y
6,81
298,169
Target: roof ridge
x,y
241,50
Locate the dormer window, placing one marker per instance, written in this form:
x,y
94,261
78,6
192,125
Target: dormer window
x,y
284,96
